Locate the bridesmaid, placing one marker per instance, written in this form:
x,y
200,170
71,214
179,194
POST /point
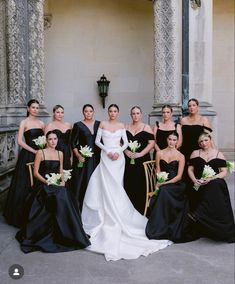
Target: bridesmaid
x,y
53,221
134,177
63,131
192,126
212,214
29,129
168,209
84,133
162,129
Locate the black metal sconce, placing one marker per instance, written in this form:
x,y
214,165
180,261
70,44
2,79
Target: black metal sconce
x,y
103,86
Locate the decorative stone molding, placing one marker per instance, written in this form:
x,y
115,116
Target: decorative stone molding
x,y
36,49
195,4
8,148
16,51
167,52
47,21
3,66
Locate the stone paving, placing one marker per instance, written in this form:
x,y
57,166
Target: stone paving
x,y
203,261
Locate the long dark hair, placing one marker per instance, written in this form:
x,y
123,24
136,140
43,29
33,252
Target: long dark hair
x,y
167,106
113,105
194,100
173,132
30,102
87,105
51,132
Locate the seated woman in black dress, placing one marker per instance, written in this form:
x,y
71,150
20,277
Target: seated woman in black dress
x,y
53,222
63,131
167,209
212,215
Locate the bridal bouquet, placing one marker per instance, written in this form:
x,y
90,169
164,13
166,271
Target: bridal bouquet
x,y
207,173
53,179
86,152
230,166
161,177
40,141
133,147
67,175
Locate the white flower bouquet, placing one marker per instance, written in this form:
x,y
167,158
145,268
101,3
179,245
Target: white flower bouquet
x,y
67,175
40,141
134,146
208,172
86,152
53,179
161,177
230,166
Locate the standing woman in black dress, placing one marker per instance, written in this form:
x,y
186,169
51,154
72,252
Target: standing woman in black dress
x,y
162,129
84,133
134,176
63,131
212,214
167,210
192,126
53,223
29,129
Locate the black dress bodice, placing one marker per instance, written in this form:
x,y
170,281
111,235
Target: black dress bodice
x,y
31,134
143,138
49,166
171,168
199,163
63,137
161,137
190,135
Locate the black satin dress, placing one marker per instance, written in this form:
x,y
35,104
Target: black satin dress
x,y
63,145
212,216
53,222
20,183
168,209
134,175
161,137
82,136
190,135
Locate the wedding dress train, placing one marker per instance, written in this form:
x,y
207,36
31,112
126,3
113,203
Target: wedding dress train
x,y
116,229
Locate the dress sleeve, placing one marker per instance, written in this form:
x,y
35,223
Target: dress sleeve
x,y
75,136
98,140
125,142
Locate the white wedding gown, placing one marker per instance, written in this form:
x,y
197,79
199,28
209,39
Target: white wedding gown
x,y
116,229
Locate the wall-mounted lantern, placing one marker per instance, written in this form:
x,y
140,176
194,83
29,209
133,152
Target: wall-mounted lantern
x,y
103,87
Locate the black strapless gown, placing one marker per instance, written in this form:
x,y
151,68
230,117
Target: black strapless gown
x,y
63,145
53,222
134,176
212,215
20,183
168,209
82,136
190,135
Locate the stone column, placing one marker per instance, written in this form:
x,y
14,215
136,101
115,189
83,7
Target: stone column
x,y
200,58
25,54
167,55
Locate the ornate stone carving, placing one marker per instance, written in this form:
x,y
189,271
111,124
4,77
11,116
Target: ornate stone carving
x,y
3,74
36,49
166,60
16,51
195,4
47,21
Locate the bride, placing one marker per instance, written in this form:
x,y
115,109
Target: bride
x,y
116,229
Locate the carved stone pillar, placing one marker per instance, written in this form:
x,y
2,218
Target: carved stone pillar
x,y
3,66
167,55
25,54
